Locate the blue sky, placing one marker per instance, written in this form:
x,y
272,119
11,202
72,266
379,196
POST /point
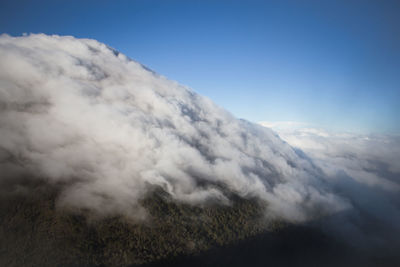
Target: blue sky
x,y
332,64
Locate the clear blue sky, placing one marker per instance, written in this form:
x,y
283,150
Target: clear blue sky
x,y
333,64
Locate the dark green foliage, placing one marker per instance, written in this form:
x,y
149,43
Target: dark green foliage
x,y
35,233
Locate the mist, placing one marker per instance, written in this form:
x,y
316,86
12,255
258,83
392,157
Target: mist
x,y
78,113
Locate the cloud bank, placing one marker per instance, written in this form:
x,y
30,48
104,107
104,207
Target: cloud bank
x,y
364,169
77,112
80,114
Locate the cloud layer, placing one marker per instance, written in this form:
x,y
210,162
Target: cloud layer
x,y
77,112
365,170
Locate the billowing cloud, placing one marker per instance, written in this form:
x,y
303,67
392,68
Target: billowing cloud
x,y
78,113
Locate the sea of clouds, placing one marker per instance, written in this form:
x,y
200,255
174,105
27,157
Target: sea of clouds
x,y
78,113
362,168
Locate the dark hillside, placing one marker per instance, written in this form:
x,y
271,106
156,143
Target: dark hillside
x,y
36,233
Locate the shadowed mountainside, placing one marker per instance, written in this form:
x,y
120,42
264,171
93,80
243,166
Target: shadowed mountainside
x,y
35,232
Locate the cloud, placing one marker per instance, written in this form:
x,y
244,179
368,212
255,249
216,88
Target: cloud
x,y
365,170
369,159
282,125
78,113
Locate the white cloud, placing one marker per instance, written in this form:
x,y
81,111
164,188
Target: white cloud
x,y
364,169
372,160
78,112
283,125
74,111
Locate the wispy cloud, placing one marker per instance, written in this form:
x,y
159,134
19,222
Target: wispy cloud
x,y
282,125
